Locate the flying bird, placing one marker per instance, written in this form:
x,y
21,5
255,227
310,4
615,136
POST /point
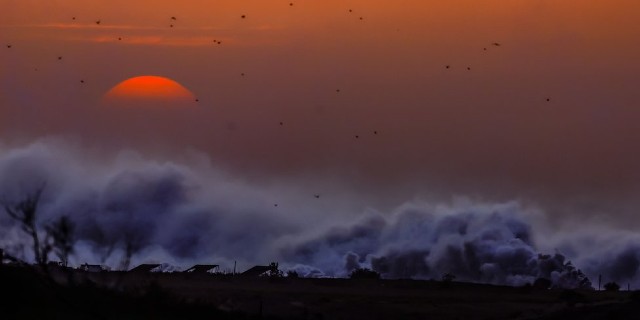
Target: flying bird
x,y
375,132
447,66
291,4
496,44
81,81
243,16
119,38
337,90
548,99
281,123
468,68
73,18
60,58
317,196
170,26
9,46
197,100
173,18
357,136
98,22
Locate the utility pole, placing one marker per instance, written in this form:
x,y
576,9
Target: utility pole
x,y
234,267
599,281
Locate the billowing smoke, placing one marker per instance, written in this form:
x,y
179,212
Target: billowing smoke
x,y
187,211
485,243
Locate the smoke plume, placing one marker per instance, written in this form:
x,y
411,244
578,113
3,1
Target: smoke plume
x,y
185,211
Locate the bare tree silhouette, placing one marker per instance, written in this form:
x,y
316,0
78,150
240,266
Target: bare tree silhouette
x,y
61,232
132,243
25,212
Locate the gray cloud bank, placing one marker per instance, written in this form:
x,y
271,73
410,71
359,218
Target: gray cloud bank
x,y
186,210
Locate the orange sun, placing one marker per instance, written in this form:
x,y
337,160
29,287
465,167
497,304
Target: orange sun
x,y
149,90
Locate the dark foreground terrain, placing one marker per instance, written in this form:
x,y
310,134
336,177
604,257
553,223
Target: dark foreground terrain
x,y
29,294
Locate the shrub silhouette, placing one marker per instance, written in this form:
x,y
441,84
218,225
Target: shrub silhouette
x,y
446,280
542,283
292,274
274,271
364,273
611,286
448,277
571,297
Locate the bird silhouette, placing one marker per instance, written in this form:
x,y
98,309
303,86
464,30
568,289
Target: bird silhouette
x,y
468,68
242,74
447,66
350,10
119,38
317,196
60,58
170,26
81,81
357,136
243,16
197,100
485,49
337,90
73,18
375,132
9,46
496,44
275,204
173,18
281,123
291,4
361,18
548,99
98,22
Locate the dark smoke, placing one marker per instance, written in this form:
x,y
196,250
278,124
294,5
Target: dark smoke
x,y
184,212
490,244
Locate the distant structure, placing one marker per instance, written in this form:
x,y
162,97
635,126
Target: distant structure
x,y
204,269
256,271
145,268
93,268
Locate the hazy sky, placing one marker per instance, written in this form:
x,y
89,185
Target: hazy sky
x,y
487,131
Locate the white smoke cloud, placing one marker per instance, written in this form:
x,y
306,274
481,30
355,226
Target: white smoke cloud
x,y
188,211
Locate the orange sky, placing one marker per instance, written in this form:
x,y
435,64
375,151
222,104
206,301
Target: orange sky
x,y
488,130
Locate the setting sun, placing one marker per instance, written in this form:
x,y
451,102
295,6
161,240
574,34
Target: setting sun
x,y
149,89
